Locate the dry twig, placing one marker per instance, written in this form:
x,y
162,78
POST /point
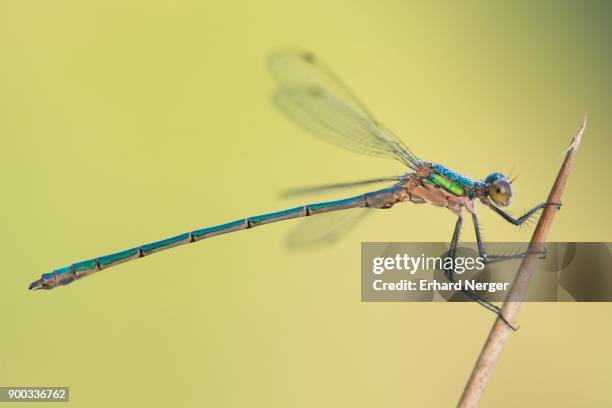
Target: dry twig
x,y
500,330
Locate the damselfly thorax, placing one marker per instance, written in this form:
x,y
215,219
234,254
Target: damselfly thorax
x,y
437,185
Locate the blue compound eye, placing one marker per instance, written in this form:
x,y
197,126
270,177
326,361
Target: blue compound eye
x,y
493,177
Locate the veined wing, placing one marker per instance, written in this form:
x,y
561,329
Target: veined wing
x,y
326,229
336,186
313,97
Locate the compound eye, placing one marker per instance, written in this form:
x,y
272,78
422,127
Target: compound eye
x,y
500,192
493,177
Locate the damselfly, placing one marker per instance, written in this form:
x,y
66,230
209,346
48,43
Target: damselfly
x,y
312,96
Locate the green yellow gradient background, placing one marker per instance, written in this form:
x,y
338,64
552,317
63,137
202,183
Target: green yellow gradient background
x,y
127,122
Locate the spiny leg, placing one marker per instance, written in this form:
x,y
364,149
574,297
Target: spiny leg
x,y
481,248
494,258
524,217
456,234
509,255
450,275
520,220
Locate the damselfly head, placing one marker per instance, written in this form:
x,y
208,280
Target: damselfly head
x,y
499,189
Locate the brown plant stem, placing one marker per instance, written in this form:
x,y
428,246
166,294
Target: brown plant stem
x,y
500,330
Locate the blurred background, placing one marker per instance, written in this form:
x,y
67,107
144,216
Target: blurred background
x,y
125,122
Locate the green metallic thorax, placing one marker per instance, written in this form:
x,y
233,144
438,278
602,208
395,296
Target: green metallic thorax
x,y
448,185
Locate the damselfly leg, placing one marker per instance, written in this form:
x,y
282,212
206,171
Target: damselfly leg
x,y
481,249
520,220
450,275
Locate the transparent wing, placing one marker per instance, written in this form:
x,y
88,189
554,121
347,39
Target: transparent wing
x,y
325,229
289,67
334,187
313,97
